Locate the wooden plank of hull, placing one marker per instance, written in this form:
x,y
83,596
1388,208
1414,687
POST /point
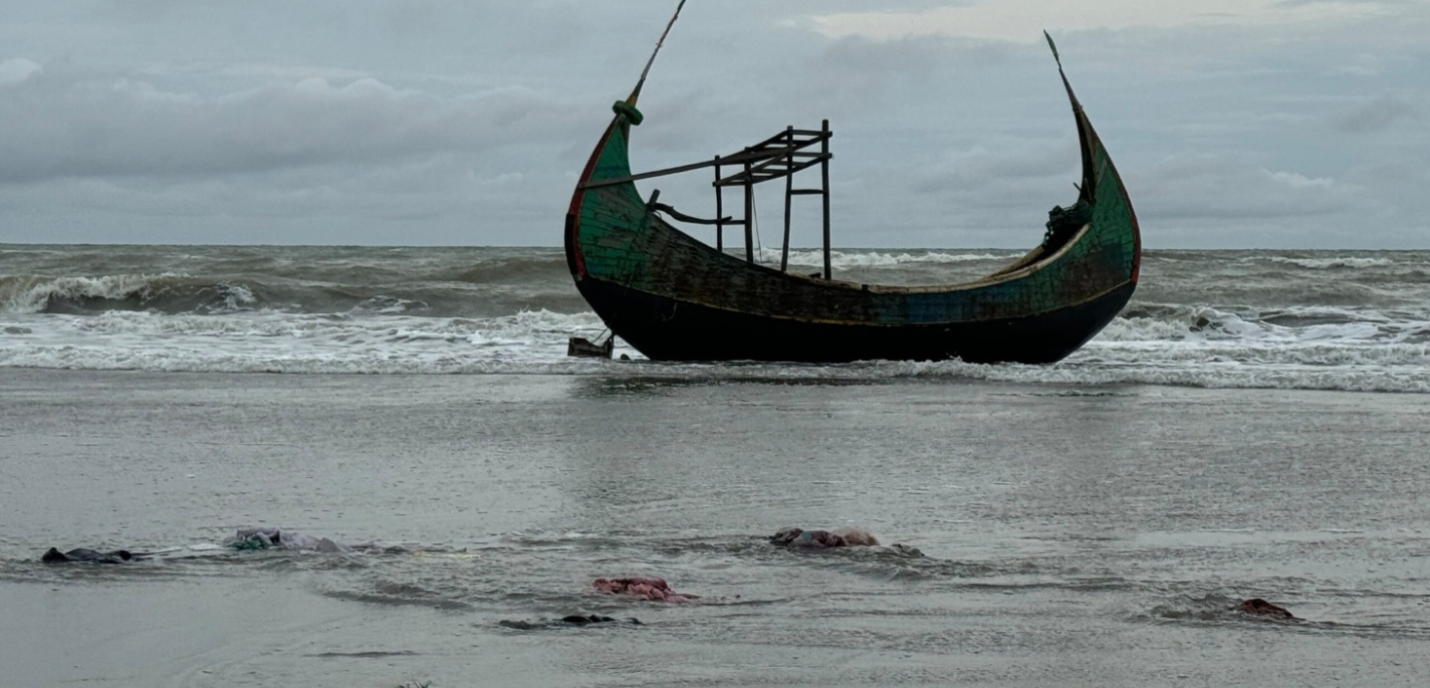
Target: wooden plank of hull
x,y
675,298
666,329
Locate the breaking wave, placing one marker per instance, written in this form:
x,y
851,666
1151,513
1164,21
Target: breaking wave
x,y
473,291
169,292
1211,319
1330,263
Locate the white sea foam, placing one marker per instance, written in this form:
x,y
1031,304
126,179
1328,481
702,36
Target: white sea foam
x,y
1344,326
270,341
1335,262
237,297
1195,347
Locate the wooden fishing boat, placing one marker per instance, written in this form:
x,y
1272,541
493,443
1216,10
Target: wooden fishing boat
x,y
673,297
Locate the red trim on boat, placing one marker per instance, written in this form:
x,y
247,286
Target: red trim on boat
x,y
573,215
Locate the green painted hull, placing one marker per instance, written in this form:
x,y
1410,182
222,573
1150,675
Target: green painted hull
x,y
675,298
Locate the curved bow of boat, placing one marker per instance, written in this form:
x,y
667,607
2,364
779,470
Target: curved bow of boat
x,y
609,160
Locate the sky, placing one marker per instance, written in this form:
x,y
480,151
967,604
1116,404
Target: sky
x,y
1234,123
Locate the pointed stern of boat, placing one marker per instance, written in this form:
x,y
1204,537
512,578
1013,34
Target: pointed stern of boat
x,y
1117,235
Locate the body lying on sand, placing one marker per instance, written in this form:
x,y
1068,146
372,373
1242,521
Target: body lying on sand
x,y
824,539
271,538
90,556
568,621
839,537
645,588
1259,607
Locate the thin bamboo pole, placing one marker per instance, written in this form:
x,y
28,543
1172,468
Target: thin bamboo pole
x,y
824,173
789,194
719,209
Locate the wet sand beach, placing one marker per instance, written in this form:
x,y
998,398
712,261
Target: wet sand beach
x,y
1073,534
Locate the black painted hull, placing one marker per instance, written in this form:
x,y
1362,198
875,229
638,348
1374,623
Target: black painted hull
x,y
669,330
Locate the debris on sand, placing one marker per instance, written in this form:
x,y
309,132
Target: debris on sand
x,y
1260,607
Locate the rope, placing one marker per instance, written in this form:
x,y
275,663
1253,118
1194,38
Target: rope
x,y
759,243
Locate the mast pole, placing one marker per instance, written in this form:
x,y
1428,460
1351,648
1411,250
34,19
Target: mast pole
x,y
636,94
1088,188
1077,107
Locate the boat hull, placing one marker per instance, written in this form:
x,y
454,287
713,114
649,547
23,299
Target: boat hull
x,y
667,329
676,298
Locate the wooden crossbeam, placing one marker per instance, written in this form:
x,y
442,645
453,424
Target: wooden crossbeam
x,y
765,173
774,150
815,136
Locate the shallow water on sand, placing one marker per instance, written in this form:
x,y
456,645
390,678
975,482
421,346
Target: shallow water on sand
x,y
1074,535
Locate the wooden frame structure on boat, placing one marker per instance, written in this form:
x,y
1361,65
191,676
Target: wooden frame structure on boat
x,y
779,157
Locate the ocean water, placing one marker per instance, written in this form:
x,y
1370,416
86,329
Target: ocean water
x,y
1340,320
1254,425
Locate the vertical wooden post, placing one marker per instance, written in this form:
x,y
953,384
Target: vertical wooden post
x,y
719,209
789,193
749,213
824,172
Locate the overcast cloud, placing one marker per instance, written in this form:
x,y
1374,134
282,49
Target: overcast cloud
x,y
1235,123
